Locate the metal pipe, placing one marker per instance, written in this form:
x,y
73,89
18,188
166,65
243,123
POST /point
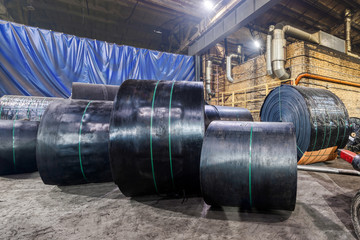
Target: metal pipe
x,y
268,51
328,170
348,16
278,49
208,70
326,79
300,34
278,54
228,67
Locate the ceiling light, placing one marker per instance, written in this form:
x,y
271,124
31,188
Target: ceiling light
x,y
208,5
257,44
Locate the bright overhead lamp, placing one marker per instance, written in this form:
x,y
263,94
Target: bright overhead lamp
x,y
257,43
208,5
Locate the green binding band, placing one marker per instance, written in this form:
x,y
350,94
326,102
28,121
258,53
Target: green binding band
x,y
13,141
81,123
1,110
251,132
338,130
170,159
151,126
316,132
346,124
299,149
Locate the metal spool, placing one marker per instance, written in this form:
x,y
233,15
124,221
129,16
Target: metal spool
x,y
249,165
24,107
17,146
319,116
223,113
156,132
88,91
72,146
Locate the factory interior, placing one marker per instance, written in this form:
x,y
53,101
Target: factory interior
x,y
186,119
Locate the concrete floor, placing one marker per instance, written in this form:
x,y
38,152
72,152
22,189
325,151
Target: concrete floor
x,y
31,210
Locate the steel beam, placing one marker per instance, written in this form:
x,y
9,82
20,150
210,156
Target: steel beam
x,y
237,17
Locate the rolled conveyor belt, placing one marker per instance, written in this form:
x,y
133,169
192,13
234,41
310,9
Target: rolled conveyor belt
x,y
24,107
249,165
156,132
18,146
72,144
224,113
87,91
353,143
319,116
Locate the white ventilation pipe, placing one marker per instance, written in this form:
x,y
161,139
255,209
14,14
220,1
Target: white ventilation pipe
x,y
348,16
208,70
278,49
268,51
228,67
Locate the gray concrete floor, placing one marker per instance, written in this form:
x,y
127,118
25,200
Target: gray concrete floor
x,y
31,210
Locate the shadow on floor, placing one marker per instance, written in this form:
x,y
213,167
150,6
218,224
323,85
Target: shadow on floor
x,y
33,175
196,207
341,205
99,190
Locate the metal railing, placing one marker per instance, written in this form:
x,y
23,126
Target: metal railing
x,y
241,98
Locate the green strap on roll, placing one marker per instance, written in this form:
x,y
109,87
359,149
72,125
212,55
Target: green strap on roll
x,y
170,158
1,110
250,197
81,123
151,127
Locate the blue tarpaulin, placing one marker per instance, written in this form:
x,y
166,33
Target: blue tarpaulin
x,y
40,62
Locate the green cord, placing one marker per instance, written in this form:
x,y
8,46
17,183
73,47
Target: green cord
x,y
299,149
81,123
151,126
171,168
251,132
338,129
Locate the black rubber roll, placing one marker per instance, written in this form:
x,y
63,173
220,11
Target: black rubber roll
x,y
23,107
72,144
353,143
249,165
355,213
87,91
156,132
319,116
223,113
17,146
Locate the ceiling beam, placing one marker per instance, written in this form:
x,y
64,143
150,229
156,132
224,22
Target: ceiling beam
x,y
236,18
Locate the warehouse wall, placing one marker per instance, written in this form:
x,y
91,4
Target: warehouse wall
x,y
301,57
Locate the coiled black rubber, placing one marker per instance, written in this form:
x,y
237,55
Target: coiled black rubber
x,y
72,144
87,91
224,113
17,146
353,143
23,107
249,165
319,116
156,132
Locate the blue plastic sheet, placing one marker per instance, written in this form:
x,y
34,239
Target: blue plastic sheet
x,y
40,62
